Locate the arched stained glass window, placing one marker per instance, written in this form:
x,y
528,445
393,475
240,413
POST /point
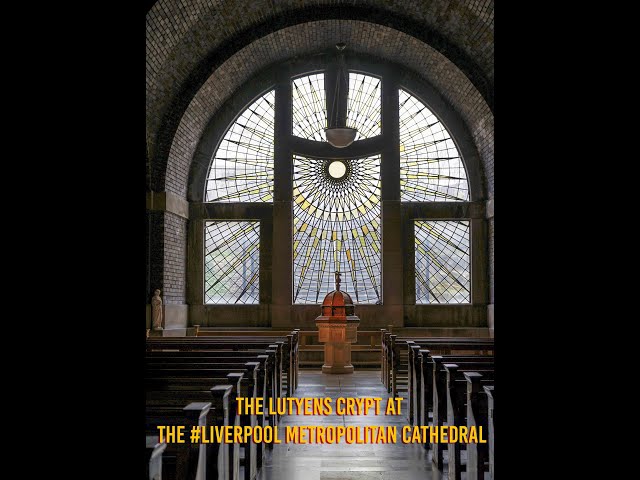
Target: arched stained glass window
x,y
431,169
364,105
336,227
309,107
335,194
242,168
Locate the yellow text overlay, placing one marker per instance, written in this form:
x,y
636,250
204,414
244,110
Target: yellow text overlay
x,y
318,406
323,434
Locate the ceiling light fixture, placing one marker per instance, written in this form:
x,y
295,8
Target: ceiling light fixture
x,y
339,136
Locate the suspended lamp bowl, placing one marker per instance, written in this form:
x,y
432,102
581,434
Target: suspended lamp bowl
x,y
340,137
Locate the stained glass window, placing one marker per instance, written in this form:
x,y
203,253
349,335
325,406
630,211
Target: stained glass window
x,y
242,167
231,262
364,105
336,227
431,169
442,262
336,202
309,107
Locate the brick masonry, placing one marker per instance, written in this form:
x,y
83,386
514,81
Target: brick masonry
x,y
168,241
180,33
193,68
183,50
175,258
491,249
362,37
156,251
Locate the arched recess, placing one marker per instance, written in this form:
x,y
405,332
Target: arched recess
x,y
188,39
218,123
202,96
172,158
273,216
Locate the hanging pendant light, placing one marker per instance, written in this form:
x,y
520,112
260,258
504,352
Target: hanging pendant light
x,y
337,135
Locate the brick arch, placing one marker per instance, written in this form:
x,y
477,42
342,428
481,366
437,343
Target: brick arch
x,y
200,52
187,40
181,33
307,39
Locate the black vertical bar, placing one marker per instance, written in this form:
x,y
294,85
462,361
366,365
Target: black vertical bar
x,y
336,74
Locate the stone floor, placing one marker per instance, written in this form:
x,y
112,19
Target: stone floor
x,y
289,461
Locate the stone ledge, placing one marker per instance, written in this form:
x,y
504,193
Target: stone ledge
x,y
489,209
168,202
174,332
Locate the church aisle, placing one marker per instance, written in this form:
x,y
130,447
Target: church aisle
x,y
393,461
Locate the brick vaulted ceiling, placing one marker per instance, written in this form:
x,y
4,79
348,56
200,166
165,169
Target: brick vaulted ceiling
x,y
200,51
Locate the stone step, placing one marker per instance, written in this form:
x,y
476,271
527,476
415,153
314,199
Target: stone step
x,y
356,356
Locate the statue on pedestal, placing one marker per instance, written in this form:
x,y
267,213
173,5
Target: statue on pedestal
x,y
156,310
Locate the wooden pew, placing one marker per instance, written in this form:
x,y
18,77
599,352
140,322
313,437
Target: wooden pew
x,y
405,353
186,461
490,391
386,337
176,388
231,347
171,358
440,397
289,361
289,352
395,351
478,416
198,361
267,357
183,378
383,363
267,332
154,460
261,384
443,346
212,343
431,333
185,360
424,385
457,409
426,391
161,402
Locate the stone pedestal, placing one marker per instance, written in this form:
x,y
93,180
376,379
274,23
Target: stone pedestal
x,y
337,334
337,329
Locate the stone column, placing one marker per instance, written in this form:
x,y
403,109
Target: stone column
x,y
282,252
